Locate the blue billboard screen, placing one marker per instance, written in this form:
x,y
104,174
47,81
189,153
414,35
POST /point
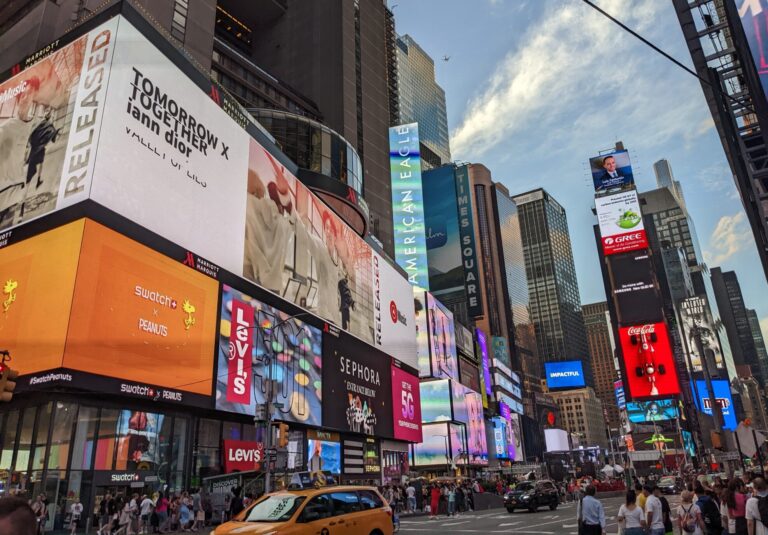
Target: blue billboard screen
x,y
722,393
652,411
565,374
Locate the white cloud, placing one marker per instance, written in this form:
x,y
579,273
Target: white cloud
x,y
578,77
731,236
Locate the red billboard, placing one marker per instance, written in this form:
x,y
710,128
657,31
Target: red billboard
x,y
406,404
648,361
242,455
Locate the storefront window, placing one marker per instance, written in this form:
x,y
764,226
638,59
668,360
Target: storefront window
x,y
62,434
105,446
208,451
249,432
9,440
84,438
137,443
41,438
25,439
232,431
179,444
164,442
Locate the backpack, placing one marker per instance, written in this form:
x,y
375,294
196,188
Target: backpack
x,y
711,514
688,521
762,508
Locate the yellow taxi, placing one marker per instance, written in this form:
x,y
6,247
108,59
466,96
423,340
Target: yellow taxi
x,y
339,510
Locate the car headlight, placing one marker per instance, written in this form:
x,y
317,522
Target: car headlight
x,y
525,497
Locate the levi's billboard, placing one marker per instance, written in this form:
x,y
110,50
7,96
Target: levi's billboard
x,y
648,361
242,455
172,160
621,222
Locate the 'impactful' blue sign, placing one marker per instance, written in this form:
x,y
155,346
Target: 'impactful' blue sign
x,y
565,374
722,391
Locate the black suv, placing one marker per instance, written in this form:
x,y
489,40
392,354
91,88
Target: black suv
x,y
531,495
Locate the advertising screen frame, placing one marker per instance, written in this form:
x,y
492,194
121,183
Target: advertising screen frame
x,y
635,288
722,391
620,220
568,381
444,359
643,352
601,179
643,411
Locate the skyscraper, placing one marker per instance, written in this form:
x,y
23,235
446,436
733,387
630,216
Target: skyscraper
x,y
757,337
733,313
552,285
421,100
665,179
601,350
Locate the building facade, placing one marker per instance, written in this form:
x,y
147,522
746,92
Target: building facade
x,y
666,179
601,350
581,414
421,100
759,341
552,285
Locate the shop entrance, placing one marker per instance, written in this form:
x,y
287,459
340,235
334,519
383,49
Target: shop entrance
x,y
123,484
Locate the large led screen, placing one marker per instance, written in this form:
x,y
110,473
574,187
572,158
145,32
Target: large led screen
x,y
140,316
652,411
753,19
482,346
436,401
434,447
706,328
564,374
442,340
446,270
247,344
634,287
515,439
422,332
357,389
406,404
38,279
468,249
648,361
477,444
611,171
556,440
621,223
408,203
51,115
500,438
324,455
722,391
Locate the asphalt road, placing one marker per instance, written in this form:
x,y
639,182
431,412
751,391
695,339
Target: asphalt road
x,y
544,522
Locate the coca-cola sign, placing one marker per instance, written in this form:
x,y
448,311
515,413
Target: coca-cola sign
x,y
649,364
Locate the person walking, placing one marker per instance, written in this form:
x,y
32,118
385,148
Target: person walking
x,y
654,516
452,500
197,511
689,515
434,501
755,524
710,510
145,509
75,512
161,509
590,514
105,520
734,504
631,516
411,498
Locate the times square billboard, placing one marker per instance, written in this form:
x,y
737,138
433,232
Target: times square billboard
x,y
611,171
621,223
187,158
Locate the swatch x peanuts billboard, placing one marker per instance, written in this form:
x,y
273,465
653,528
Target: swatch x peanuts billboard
x,y
170,159
109,307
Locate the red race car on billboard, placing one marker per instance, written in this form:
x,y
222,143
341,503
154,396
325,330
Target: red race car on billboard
x,y
648,361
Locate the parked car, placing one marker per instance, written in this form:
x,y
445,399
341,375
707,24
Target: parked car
x,y
531,495
670,485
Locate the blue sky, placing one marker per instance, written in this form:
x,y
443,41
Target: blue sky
x,y
536,87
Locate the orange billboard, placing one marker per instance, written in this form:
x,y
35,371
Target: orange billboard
x,y
140,316
37,277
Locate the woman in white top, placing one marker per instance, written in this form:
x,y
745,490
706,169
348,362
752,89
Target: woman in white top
x,y
631,516
689,515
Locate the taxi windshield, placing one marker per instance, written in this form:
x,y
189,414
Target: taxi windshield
x,y
278,508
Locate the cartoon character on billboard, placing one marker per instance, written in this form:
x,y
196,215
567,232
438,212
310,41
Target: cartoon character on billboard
x,y
644,338
360,416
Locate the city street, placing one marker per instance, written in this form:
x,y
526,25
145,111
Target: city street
x,y
544,522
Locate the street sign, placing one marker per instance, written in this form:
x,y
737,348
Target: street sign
x,y
727,455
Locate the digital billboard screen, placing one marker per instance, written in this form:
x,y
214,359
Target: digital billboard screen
x,y
468,249
247,341
442,339
618,390
556,440
621,223
446,269
434,447
704,323
753,20
422,332
324,455
652,411
435,401
634,287
500,438
482,346
722,392
357,389
406,404
408,203
611,171
648,361
564,374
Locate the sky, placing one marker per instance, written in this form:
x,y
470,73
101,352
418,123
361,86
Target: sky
x,y
534,88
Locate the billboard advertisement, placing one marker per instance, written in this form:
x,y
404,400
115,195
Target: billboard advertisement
x,y
137,445
689,322
446,269
464,342
406,404
324,455
635,290
442,340
688,444
357,389
408,203
648,361
753,20
618,390
394,324
242,455
422,332
482,346
434,447
501,351
621,223
435,401
564,374
477,444
468,251
652,411
51,115
38,274
722,391
247,342
611,171
556,440
500,438
515,439
140,316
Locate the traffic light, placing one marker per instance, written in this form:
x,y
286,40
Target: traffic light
x,y
7,383
282,436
